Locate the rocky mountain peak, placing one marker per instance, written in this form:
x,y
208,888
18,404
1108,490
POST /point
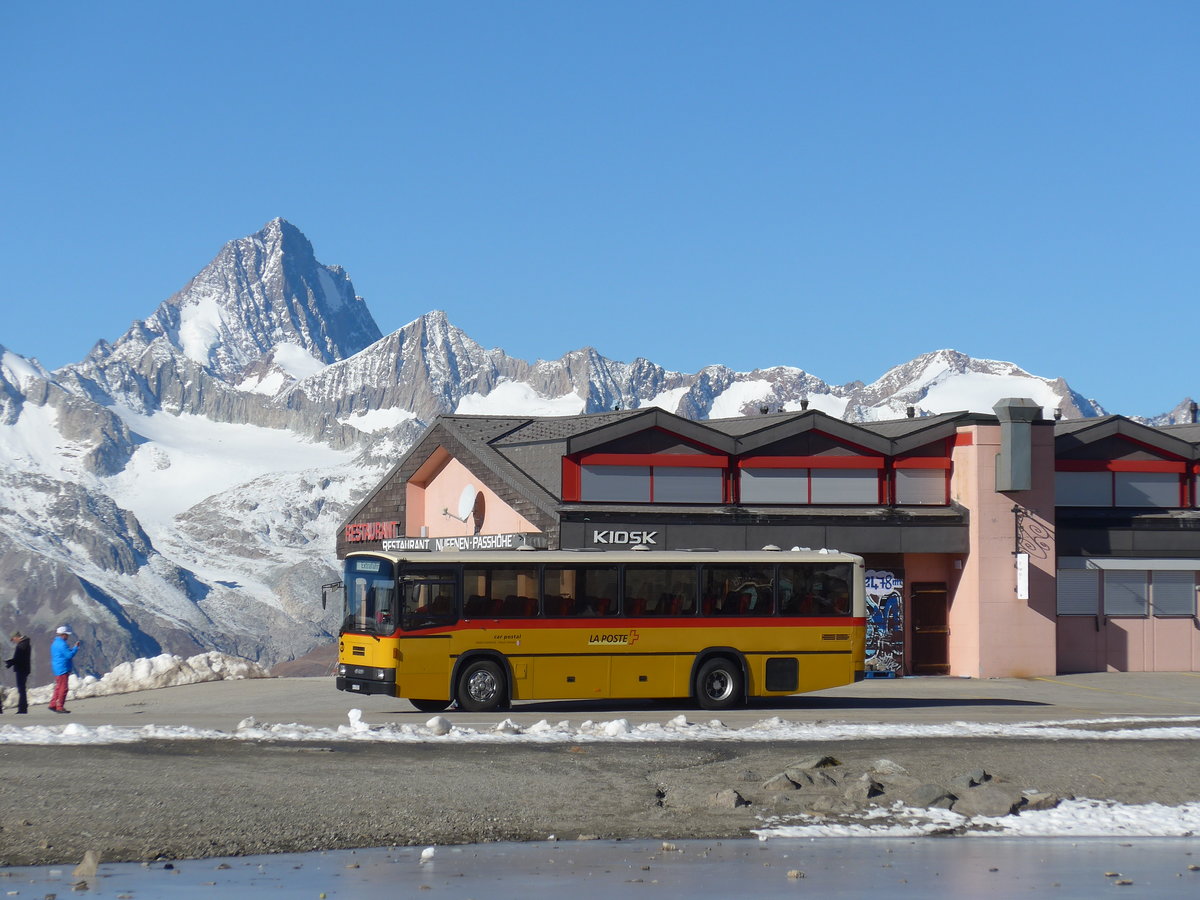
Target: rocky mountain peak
x,y
259,293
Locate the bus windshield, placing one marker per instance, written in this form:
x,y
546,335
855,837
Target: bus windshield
x,y
370,596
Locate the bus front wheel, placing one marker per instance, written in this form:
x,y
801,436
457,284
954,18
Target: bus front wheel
x,y
481,686
429,705
719,684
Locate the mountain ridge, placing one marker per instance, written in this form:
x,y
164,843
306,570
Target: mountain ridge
x,y
178,489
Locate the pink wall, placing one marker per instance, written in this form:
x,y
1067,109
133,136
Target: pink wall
x,y
1128,644
435,504
992,633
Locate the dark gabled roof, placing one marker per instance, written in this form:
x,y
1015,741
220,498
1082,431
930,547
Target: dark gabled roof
x,y
1079,432
1189,432
909,434
638,420
772,429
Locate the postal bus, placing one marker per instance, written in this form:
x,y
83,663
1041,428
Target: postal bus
x,y
482,629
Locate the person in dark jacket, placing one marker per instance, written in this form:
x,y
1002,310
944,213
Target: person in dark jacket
x,y
62,654
19,662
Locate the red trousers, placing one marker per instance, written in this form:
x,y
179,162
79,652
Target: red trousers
x,y
60,691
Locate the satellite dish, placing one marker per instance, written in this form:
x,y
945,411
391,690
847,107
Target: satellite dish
x,y
466,503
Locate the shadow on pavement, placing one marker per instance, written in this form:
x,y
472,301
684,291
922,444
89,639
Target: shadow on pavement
x,y
795,704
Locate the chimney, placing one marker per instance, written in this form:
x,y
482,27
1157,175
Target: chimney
x,y
910,411
1014,462
764,409
803,403
1192,410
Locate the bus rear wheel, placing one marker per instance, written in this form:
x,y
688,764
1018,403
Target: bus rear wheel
x,y
481,686
719,684
430,705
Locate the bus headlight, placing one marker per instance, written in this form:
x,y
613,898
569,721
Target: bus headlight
x,y
342,669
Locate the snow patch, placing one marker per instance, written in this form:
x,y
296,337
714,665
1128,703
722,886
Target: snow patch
x,y
333,297
373,420
728,404
200,328
1071,818
190,458
979,392
510,398
20,371
296,361
668,400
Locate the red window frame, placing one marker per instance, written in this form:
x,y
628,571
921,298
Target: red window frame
x,y
572,489
1113,466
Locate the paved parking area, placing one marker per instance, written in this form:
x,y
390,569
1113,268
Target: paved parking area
x,y
315,702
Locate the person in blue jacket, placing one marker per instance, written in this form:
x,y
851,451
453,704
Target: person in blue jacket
x,y
62,655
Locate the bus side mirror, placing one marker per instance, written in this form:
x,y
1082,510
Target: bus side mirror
x,y
325,589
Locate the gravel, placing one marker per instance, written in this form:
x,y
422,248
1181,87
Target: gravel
x,y
195,799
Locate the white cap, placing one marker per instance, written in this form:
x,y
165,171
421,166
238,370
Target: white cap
x,y
63,629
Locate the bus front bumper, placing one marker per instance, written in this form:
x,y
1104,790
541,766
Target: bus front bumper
x,y
366,680
359,686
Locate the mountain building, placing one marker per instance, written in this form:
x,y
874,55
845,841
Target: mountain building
x,y
1001,545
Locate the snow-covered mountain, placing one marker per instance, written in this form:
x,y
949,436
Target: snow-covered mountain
x,y
178,490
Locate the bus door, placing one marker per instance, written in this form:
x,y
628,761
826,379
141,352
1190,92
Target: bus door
x,y
423,664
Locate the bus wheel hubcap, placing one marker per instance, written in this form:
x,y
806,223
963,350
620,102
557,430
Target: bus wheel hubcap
x,y
482,686
719,685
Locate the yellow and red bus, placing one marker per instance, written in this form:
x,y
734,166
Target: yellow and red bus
x,y
482,629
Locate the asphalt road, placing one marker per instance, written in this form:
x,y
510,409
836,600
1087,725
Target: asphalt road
x,y
315,702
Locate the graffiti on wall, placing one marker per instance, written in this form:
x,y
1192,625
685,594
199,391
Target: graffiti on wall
x,y
885,621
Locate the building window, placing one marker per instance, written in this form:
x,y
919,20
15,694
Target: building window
x,y
844,486
686,485
1083,489
1078,592
920,487
1119,487
774,485
1126,593
651,484
1160,489
1173,593
615,484
816,485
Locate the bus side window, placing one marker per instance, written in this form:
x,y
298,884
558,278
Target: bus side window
x,y
475,606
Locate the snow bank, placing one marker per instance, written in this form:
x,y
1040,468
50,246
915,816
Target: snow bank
x,y
161,671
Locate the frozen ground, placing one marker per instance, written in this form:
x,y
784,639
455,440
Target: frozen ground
x,y
1151,868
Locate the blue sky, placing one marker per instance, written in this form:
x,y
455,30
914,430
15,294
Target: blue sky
x,y
838,186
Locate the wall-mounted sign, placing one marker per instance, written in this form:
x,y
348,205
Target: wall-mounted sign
x,y
357,532
510,541
1022,576
622,537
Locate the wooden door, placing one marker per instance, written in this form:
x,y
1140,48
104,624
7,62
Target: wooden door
x,y
930,606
